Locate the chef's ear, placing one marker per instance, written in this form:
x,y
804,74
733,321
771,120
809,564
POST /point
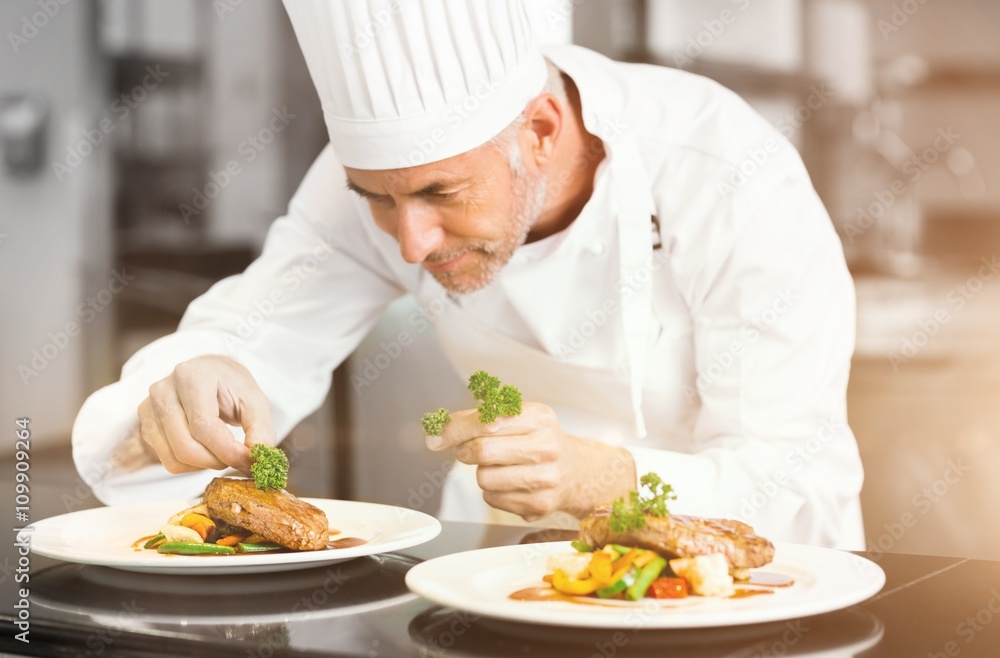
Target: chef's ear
x,y
544,119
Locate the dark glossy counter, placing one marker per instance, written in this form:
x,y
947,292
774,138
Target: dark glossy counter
x,y
930,606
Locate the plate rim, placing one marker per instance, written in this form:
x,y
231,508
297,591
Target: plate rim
x,y
616,619
425,528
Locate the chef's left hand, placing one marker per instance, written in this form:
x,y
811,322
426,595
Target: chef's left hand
x,y
527,465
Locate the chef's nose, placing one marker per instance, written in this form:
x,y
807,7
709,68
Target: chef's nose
x,y
419,232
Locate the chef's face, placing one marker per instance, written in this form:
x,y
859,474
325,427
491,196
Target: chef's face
x,y
462,218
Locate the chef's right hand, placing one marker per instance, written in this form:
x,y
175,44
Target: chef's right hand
x,y
184,419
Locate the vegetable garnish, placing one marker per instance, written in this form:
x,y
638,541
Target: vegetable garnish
x,y
632,515
434,421
270,467
495,400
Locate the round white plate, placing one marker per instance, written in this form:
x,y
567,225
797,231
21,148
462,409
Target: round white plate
x,y
481,581
104,536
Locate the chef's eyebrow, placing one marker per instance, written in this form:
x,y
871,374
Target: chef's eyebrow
x,y
362,192
436,188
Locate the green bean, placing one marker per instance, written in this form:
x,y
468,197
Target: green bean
x,y
259,548
646,576
152,542
582,546
186,548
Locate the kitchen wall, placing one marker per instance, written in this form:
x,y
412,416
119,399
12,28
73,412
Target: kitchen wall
x,y
55,249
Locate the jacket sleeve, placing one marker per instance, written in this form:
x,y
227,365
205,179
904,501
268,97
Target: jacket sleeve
x,y
773,312
317,288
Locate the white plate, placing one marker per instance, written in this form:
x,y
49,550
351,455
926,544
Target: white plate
x,y
481,582
104,536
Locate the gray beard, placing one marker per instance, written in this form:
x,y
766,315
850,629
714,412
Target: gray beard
x,y
530,196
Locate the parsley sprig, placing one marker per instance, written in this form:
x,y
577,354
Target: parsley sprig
x,y
652,501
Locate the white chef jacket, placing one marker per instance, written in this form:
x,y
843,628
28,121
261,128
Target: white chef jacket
x,y
700,305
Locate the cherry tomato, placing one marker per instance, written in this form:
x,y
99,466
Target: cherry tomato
x,y
668,588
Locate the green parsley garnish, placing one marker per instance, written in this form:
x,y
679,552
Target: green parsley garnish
x,y
632,515
495,400
269,468
434,421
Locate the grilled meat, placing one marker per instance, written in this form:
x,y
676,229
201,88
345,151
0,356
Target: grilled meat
x,y
275,514
684,536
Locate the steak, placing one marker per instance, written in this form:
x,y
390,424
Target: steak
x,y
683,536
274,514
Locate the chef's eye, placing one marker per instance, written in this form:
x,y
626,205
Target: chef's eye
x,y
381,201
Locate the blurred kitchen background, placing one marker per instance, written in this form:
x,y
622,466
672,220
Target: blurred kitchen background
x,y
146,145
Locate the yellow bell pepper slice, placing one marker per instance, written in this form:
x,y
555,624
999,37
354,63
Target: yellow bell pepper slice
x,y
599,575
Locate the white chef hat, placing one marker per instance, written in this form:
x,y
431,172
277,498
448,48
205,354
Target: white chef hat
x,y
407,82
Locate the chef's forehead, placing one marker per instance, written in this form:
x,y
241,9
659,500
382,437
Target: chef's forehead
x,y
469,167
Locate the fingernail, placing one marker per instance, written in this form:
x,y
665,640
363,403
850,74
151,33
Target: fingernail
x,y
434,442
493,427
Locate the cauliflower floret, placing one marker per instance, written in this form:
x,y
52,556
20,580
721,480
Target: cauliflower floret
x,y
573,564
181,533
708,574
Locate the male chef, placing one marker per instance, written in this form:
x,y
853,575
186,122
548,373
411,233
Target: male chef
x,y
632,246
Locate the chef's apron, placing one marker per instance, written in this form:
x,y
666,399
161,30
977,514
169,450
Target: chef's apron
x,y
604,404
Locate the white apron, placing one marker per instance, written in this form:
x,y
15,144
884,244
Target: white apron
x,y
619,417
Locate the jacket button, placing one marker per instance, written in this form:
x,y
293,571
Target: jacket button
x,y
596,248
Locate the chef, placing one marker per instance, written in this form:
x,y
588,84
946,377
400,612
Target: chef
x,y
632,246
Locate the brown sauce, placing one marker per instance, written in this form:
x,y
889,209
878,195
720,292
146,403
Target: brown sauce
x,y
347,542
549,594
769,579
742,593
138,544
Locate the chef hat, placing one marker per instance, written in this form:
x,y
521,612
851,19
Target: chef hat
x,y
407,82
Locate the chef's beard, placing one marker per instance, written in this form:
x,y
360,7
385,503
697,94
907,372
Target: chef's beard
x,y
529,199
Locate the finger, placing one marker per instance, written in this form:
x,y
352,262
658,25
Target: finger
x,y
522,477
174,424
255,417
529,506
533,416
152,433
200,400
507,450
463,426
